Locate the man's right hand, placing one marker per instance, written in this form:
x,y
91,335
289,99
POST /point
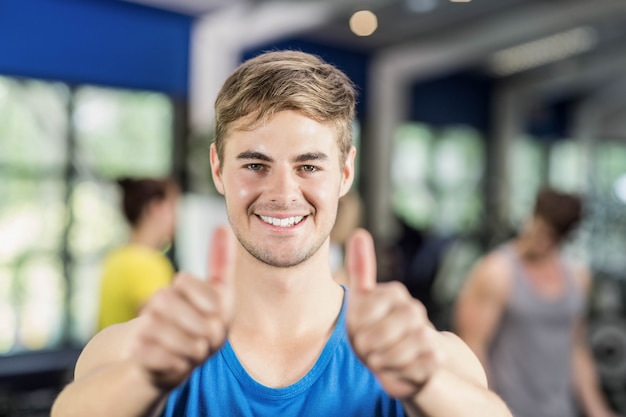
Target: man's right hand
x,y
183,325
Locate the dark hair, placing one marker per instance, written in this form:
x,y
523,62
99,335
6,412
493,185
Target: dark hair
x,y
138,193
561,211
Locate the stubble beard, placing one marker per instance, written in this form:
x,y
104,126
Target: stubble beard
x,y
269,257
266,254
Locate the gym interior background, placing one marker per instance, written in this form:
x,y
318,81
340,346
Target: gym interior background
x,y
465,110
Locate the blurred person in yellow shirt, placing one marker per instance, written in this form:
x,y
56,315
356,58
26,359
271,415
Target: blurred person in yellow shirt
x,y
134,272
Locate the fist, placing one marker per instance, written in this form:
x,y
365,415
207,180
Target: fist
x,y
388,328
183,325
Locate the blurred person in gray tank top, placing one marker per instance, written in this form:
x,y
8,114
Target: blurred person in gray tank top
x,y
522,312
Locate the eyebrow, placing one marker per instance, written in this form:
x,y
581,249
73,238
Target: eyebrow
x,y
254,155
309,156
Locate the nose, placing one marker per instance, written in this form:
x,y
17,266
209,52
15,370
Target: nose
x,y
283,185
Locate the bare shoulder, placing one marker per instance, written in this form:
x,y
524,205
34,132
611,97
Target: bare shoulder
x,y
110,345
461,359
492,272
494,263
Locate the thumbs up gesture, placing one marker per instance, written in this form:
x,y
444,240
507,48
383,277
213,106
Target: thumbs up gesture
x,y
183,325
388,328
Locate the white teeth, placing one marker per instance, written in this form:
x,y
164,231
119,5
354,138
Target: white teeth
x,y
286,222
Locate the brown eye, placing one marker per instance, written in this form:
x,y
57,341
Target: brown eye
x,y
254,167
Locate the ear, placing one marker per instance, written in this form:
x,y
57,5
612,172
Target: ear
x,y
347,172
216,171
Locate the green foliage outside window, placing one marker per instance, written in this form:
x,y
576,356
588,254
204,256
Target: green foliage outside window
x,y
436,177
60,149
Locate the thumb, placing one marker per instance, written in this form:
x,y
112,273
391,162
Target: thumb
x,y
221,256
361,261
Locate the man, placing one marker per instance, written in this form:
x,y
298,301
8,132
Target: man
x,y
521,311
270,333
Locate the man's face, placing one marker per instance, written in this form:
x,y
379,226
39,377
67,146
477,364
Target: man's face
x,y
541,235
282,182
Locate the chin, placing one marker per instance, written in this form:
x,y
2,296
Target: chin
x,y
284,261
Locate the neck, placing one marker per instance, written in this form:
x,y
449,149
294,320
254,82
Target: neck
x,y
526,250
285,300
146,236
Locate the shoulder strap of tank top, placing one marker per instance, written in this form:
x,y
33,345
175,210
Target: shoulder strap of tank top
x,y
517,271
569,276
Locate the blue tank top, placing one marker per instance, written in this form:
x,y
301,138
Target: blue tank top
x,y
337,385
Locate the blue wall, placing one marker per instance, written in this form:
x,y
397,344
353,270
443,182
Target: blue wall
x,y
550,121
463,98
106,42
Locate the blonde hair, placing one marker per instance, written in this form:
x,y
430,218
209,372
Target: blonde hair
x,y
285,80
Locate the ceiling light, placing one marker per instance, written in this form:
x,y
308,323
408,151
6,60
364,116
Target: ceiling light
x,y
543,51
460,1
363,23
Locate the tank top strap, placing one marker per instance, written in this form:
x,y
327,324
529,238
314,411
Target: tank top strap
x,y
517,271
572,288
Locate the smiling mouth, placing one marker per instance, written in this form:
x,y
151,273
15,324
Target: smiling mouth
x,y
285,222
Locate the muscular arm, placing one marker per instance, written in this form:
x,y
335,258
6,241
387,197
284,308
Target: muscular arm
x,y
459,388
586,381
481,303
107,381
128,370
433,373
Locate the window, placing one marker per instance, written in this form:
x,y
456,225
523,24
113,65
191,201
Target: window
x,y
436,177
61,149
606,220
567,166
527,174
